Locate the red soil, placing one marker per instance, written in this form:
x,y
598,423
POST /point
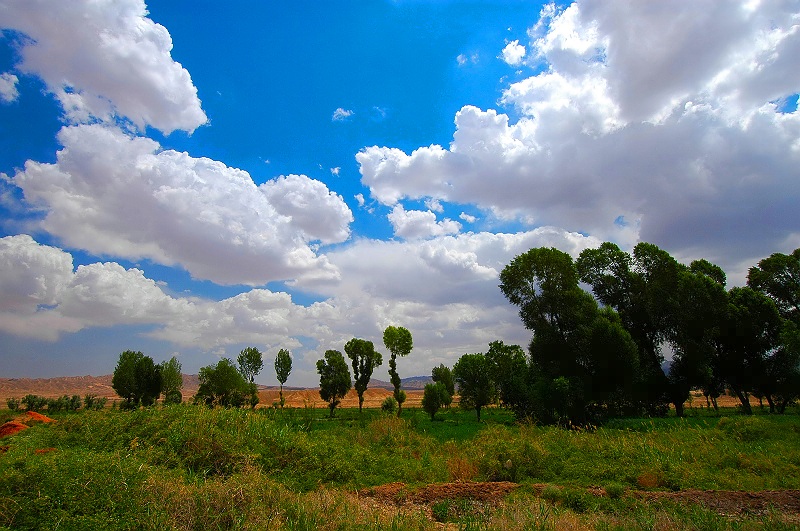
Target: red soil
x,y
34,416
11,427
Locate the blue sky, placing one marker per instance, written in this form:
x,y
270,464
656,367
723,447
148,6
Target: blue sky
x,y
189,178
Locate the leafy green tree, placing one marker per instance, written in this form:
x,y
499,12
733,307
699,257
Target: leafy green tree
x,y
283,366
137,379
171,381
398,340
250,364
222,384
508,369
443,374
334,378
640,288
434,397
364,359
778,276
475,388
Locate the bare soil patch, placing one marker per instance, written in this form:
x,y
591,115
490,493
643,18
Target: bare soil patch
x,y
726,503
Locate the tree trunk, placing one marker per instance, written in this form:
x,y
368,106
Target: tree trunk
x,y
714,401
360,403
678,408
478,409
771,403
744,400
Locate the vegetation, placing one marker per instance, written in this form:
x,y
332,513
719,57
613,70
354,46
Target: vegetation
x,y
222,385
398,340
434,397
364,360
334,379
283,366
171,381
136,379
186,467
475,386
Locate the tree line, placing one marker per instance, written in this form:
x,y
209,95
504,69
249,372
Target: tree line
x,y
600,355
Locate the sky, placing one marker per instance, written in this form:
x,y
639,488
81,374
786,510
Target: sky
x,y
188,178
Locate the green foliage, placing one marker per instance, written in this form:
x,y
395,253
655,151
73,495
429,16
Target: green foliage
x,y
434,397
250,363
171,380
173,397
475,387
364,359
389,405
223,385
13,403
399,342
443,374
778,276
283,366
94,403
334,378
34,402
136,379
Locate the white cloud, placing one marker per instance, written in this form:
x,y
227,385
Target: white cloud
x,y
659,116
444,290
468,218
341,114
513,53
105,59
416,224
434,205
335,171
463,59
8,87
112,194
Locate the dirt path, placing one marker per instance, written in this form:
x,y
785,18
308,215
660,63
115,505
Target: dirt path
x,y
728,503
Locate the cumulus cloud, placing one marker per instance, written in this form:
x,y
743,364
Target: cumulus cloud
x,y
468,218
118,195
644,124
8,87
418,224
341,114
513,53
444,290
105,59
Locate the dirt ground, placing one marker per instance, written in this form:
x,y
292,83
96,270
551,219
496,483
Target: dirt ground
x,y
298,398
726,503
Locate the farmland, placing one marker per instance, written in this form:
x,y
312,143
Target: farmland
x,y
188,467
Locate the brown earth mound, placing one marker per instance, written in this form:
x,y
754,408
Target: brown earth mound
x,y
478,491
33,416
11,427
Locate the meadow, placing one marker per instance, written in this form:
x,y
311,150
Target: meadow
x,y
189,467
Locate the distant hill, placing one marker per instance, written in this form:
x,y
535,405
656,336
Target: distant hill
x,y
101,386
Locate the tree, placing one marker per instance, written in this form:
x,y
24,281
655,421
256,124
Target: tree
x,y
136,379
475,389
398,340
442,374
283,366
364,360
778,276
434,397
222,384
171,381
250,364
508,369
334,378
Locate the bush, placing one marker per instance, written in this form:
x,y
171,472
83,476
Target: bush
x,y
13,403
94,403
173,397
34,402
389,405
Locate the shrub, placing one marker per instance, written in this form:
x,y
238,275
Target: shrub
x,y
94,403
34,402
173,397
389,405
13,403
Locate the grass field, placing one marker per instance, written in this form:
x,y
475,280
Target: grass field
x,y
187,467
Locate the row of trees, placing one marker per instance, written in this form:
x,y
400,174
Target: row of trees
x,y
594,356
140,381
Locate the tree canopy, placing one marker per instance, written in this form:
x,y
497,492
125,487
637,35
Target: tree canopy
x,y
171,380
364,359
334,378
137,379
475,386
398,340
223,385
283,366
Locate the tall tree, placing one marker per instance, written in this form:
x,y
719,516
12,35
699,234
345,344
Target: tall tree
x,y
398,340
137,379
334,378
283,366
434,397
443,374
364,359
778,276
171,380
250,363
508,369
475,388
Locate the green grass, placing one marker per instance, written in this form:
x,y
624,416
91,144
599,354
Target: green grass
x,y
186,467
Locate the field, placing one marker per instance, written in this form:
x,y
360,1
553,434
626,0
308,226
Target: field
x,y
187,467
